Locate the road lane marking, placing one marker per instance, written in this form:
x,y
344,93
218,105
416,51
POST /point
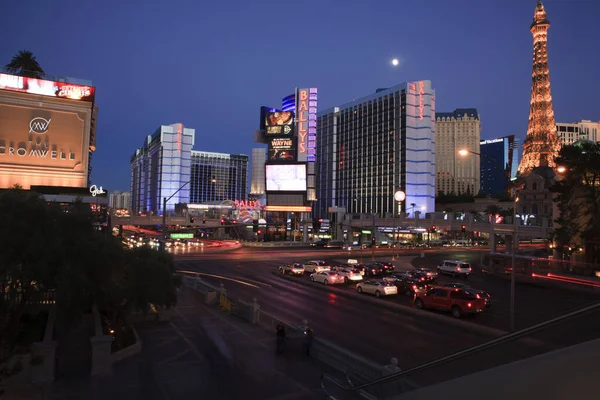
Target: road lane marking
x,y
219,277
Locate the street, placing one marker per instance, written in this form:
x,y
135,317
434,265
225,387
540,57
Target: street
x,y
375,331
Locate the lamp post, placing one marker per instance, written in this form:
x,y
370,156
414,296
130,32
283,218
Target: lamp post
x,y
164,219
511,186
399,197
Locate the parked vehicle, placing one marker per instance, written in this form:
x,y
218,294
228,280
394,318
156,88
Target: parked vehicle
x,y
454,268
378,287
292,269
315,266
429,274
457,301
349,273
480,294
327,277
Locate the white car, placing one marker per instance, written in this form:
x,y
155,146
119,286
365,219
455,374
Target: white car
x,y
454,268
316,266
349,274
327,277
378,287
292,269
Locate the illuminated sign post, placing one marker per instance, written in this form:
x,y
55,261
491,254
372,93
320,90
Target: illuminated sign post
x,y
94,190
182,235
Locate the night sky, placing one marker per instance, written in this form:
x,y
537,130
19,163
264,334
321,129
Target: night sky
x,y
212,64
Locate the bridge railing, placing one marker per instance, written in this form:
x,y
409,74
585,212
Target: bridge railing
x,y
573,328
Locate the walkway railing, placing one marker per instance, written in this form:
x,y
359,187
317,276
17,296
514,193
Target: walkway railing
x,y
573,328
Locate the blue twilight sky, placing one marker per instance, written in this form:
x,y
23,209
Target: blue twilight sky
x,y
212,64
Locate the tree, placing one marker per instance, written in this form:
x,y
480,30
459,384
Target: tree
x,y
578,196
53,248
24,63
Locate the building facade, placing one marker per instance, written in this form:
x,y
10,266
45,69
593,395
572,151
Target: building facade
x,y
167,167
160,167
218,177
119,200
498,164
569,133
455,131
47,131
257,182
371,147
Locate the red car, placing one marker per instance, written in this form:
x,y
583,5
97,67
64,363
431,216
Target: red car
x,y
458,301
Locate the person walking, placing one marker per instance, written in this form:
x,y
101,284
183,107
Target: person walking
x,y
308,338
280,338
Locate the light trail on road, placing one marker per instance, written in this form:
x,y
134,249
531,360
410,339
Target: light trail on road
x,y
221,277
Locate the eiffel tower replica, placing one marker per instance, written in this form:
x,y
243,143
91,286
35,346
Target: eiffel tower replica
x,y
541,144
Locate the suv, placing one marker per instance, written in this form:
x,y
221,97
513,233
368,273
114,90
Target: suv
x,y
457,301
315,266
292,269
454,268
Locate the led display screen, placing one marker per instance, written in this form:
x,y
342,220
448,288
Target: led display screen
x,y
279,123
45,87
282,149
286,177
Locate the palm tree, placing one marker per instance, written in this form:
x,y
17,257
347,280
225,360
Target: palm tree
x,y
24,63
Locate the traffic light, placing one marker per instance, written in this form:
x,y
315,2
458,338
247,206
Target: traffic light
x,y
464,228
192,219
373,240
433,229
255,225
203,220
222,221
258,231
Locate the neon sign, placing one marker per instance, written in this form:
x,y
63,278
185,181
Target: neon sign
x,y
307,124
421,93
94,190
253,204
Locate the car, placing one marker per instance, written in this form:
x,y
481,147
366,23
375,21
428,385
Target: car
x,y
429,274
457,301
407,285
327,277
480,294
349,273
454,268
378,287
386,267
334,244
315,266
292,269
351,246
373,269
319,243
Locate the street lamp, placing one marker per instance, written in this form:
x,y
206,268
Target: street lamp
x,y
164,219
399,197
511,186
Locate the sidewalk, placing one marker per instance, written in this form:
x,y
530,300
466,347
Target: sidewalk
x,y
202,353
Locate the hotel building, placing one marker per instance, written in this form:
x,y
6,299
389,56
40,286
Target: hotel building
x,y
371,147
573,132
454,131
167,167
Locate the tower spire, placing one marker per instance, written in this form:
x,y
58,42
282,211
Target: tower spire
x,y
541,144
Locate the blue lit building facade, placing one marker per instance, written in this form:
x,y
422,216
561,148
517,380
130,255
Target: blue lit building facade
x,y
372,146
166,162
160,167
499,160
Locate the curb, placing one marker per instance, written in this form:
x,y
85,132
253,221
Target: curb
x,y
402,308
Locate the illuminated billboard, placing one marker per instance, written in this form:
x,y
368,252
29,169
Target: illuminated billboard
x,y
43,146
282,149
286,177
307,124
279,123
44,87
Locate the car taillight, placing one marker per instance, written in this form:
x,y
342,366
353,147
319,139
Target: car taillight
x,y
458,268
414,287
469,305
478,296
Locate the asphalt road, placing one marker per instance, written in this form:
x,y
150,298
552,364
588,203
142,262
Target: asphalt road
x,y
378,332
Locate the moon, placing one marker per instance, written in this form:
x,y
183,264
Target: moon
x,y
395,62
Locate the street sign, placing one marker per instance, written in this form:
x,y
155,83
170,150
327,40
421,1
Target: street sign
x,y
182,235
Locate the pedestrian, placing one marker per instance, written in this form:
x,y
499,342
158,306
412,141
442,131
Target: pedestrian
x,y
280,338
308,338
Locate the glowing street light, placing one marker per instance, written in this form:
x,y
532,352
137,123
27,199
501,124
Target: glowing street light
x,y
561,169
463,152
